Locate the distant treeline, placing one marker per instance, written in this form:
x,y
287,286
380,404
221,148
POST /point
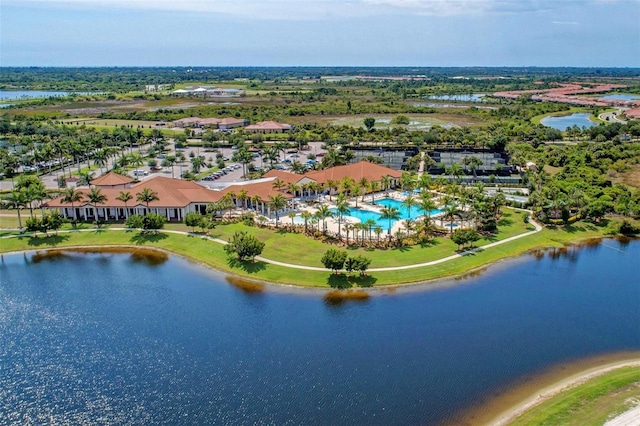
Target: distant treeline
x,y
119,79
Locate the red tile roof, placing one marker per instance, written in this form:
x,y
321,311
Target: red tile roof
x,y
111,179
357,171
286,177
172,193
264,190
269,125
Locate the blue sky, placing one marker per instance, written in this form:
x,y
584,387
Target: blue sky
x,y
598,33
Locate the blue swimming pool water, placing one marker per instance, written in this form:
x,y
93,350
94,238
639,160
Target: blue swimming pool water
x,y
364,215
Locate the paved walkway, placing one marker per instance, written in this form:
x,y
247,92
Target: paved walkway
x,y
316,268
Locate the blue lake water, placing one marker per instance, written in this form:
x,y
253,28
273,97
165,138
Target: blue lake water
x,y
620,97
134,339
475,97
561,123
6,95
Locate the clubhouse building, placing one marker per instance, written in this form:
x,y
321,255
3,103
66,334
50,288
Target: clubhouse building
x,y
177,197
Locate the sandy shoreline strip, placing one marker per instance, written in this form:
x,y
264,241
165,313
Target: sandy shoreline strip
x,y
553,390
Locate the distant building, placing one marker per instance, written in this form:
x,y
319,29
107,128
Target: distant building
x,y
269,127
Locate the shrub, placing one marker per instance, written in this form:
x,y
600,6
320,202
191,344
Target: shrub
x,y
244,245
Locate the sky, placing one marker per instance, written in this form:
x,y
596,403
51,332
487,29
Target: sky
x,y
581,33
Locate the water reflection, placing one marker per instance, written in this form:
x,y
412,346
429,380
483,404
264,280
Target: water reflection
x,y
244,285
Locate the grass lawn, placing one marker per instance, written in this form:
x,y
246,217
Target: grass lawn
x,y
298,249
591,403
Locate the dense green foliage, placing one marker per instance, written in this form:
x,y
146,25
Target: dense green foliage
x,y
243,245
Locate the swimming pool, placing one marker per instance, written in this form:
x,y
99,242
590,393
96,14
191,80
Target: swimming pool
x,y
364,215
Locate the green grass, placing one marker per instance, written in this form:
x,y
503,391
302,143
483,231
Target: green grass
x,y
591,403
298,249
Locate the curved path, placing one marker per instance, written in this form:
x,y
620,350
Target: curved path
x,y
316,268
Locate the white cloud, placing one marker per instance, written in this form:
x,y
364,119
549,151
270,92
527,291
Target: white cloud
x,y
318,9
565,23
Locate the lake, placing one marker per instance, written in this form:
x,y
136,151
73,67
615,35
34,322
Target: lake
x,y
149,338
562,122
8,95
474,97
620,97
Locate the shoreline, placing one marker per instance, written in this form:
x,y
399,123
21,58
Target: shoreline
x,y
566,384
386,288
519,398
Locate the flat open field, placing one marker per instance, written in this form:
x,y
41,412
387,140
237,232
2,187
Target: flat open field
x,y
630,177
416,121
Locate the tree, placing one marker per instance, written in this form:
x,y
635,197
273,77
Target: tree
x,y
306,215
322,213
369,123
244,245
410,201
135,221
342,208
146,196
277,203
334,259
125,197
51,221
95,196
72,196
197,163
16,200
473,162
193,220
389,213
360,264
153,221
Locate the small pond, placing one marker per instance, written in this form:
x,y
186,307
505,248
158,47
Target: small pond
x,y
580,119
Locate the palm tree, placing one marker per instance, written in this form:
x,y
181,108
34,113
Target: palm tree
x,y
306,216
322,214
125,197
277,202
455,171
100,158
410,201
342,208
278,184
17,200
363,184
389,213
293,189
369,223
450,211
255,200
386,183
136,159
473,162
292,216
197,163
146,196
331,185
243,196
85,178
373,188
72,196
95,196
378,230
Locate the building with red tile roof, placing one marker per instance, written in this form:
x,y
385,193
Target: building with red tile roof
x,y
269,127
112,180
177,197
